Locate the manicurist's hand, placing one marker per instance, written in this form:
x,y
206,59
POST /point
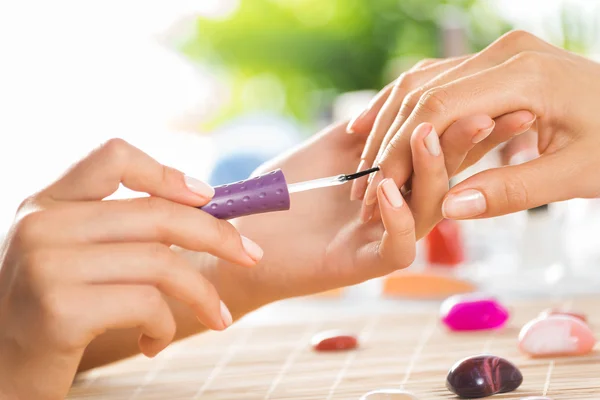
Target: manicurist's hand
x,y
517,72
76,266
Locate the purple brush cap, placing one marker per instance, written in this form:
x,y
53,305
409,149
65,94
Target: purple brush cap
x,y
261,194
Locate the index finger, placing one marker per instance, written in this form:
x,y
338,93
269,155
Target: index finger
x,y
116,162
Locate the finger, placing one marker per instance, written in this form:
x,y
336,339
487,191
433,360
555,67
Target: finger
x,y
137,263
429,181
388,114
514,126
500,90
461,137
123,307
149,219
363,122
117,162
500,191
398,244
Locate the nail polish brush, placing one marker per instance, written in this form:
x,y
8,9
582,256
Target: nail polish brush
x,y
265,193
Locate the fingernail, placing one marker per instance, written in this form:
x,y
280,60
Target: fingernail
x,y
371,195
252,249
350,128
226,315
525,127
367,213
199,187
465,204
483,133
358,186
432,142
391,192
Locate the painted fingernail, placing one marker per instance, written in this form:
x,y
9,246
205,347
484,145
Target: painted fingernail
x,y
199,187
525,127
358,186
483,133
367,213
371,195
391,192
252,249
226,315
465,204
432,142
350,128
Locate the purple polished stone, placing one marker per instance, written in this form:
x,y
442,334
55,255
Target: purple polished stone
x,y
482,376
473,312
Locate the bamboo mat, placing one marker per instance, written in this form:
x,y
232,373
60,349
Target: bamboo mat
x,y
410,351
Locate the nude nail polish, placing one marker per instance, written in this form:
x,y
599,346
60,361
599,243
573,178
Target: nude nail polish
x,y
466,204
432,143
252,249
199,187
226,315
483,133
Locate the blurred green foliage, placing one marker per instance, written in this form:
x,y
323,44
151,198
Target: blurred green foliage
x,y
295,56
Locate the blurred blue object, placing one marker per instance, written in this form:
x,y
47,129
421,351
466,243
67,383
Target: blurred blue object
x,y
234,167
245,143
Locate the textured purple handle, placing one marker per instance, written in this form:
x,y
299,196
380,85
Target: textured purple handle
x,y
261,194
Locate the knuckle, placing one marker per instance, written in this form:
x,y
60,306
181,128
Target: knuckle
x,y
157,205
515,193
434,101
407,80
29,228
116,149
410,102
518,37
35,265
529,60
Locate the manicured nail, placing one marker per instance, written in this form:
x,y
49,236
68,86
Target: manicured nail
x,y
483,133
371,195
252,249
525,127
226,315
199,187
465,204
432,142
367,213
350,128
391,192
359,185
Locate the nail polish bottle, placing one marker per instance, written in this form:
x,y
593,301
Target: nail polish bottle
x,y
444,244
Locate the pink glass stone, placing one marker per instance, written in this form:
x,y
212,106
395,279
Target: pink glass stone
x,y
389,394
556,335
473,312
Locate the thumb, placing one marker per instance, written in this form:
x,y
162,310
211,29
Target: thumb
x,y
506,190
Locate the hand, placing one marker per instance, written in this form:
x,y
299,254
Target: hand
x,y
320,243
75,266
517,72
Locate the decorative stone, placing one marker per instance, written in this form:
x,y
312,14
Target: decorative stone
x,y
334,340
473,312
556,335
558,311
482,376
389,394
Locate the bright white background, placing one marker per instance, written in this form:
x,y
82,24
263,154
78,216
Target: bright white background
x,y
76,73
